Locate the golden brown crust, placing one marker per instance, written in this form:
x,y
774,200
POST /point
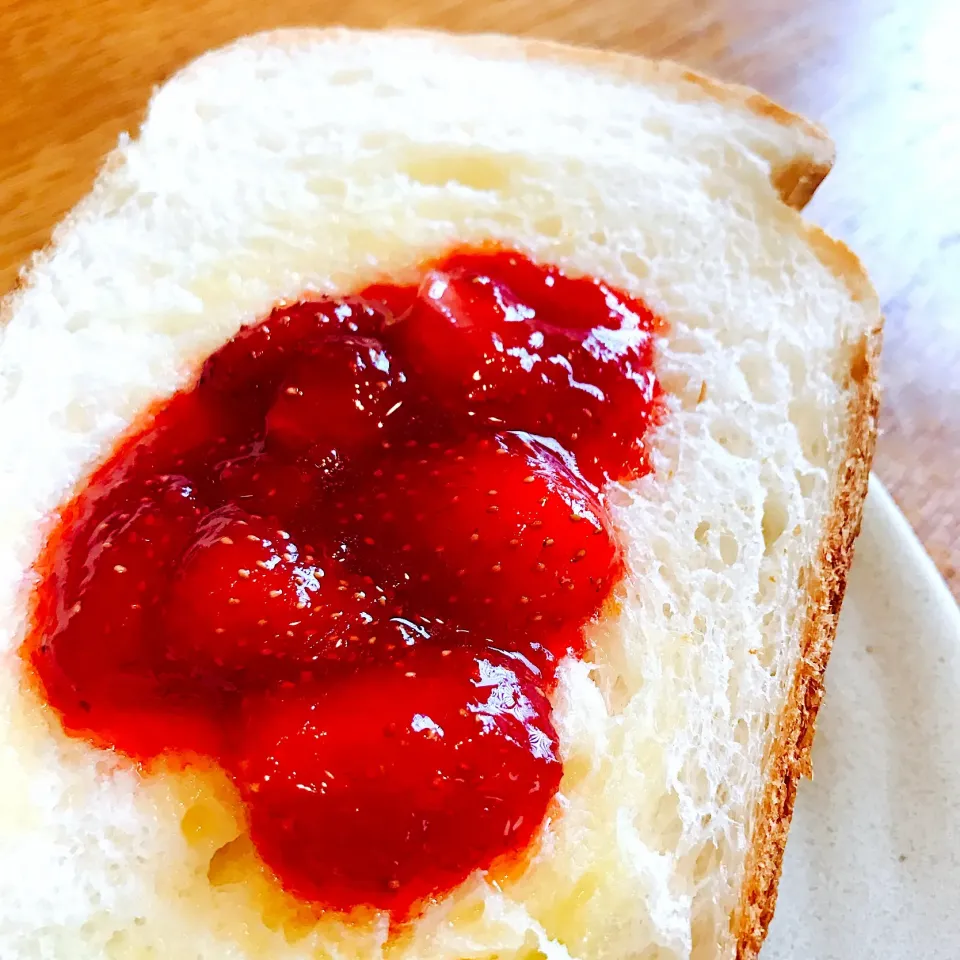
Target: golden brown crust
x,y
797,181
789,759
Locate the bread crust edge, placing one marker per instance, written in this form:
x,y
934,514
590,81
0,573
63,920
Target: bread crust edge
x,y
789,759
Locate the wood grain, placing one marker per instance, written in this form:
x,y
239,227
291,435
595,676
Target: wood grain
x,y
880,74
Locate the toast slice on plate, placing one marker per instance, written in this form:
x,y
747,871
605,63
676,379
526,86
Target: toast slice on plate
x,y
321,161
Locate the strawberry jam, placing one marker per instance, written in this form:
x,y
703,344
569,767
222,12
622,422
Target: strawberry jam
x,y
345,563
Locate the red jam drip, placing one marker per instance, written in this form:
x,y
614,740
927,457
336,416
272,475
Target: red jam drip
x,y
345,563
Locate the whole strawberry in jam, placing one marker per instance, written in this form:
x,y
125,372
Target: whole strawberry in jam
x,y
378,789
248,598
250,367
101,653
340,397
500,532
512,346
143,529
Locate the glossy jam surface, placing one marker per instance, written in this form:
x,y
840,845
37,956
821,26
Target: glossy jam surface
x,y
346,562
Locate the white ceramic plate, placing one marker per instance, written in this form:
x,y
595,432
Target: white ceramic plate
x,y
872,868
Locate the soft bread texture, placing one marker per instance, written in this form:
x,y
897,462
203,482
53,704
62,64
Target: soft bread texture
x,y
323,160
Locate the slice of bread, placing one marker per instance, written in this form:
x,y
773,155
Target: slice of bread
x,y
327,159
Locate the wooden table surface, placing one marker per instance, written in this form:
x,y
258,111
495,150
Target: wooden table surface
x,y
880,74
